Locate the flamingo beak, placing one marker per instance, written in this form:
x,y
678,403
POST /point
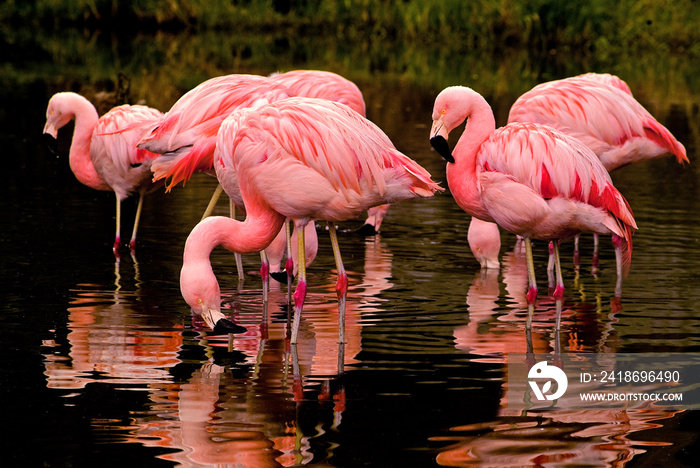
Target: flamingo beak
x,y
50,137
438,140
218,323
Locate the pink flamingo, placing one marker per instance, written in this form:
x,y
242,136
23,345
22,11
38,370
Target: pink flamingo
x,y
600,111
303,159
530,179
103,152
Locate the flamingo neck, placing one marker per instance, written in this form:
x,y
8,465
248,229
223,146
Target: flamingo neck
x,y
80,163
251,235
462,175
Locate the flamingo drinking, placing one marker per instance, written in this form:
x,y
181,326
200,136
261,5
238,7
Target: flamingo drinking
x,y
302,159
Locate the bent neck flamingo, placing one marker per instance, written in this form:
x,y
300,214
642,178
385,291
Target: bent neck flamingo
x,y
302,159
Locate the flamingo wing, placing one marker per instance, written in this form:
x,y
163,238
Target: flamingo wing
x,y
187,133
324,147
602,116
109,140
552,164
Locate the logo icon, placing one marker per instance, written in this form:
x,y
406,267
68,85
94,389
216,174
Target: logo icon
x,y
543,371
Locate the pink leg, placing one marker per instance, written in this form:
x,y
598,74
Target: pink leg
x,y
532,284
132,242
341,285
117,236
264,273
300,293
596,258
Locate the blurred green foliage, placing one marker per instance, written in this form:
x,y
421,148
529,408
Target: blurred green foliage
x,y
600,26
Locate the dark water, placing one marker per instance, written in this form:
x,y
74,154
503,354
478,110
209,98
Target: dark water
x,y
103,365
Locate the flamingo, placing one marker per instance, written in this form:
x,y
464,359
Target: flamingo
x,y
530,179
600,111
303,159
102,153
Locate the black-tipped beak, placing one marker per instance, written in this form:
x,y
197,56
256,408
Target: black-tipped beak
x,y
51,143
224,326
367,230
440,145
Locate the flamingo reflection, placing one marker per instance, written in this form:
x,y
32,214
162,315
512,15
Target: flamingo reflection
x,y
110,337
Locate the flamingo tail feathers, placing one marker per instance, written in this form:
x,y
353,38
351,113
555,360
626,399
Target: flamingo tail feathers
x,y
662,137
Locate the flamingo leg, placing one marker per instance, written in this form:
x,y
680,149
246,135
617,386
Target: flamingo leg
x,y
236,256
559,289
617,243
300,293
214,199
341,285
289,264
265,273
132,242
596,258
577,253
117,236
532,283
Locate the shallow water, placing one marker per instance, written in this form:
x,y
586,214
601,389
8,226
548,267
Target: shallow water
x,y
103,365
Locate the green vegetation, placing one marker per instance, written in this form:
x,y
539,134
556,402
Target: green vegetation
x,y
589,26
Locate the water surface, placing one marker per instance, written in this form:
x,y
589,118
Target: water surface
x,y
103,364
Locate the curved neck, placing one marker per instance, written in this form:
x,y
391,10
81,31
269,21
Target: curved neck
x,y
252,235
80,163
462,174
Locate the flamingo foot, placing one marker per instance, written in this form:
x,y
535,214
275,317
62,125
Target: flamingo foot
x,y
115,247
132,244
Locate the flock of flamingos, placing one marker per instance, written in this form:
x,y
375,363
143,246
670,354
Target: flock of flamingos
x,y
296,147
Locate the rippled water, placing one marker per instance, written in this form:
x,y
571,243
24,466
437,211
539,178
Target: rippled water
x,y
103,365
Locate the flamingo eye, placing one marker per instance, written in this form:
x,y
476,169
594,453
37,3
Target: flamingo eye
x,y
443,111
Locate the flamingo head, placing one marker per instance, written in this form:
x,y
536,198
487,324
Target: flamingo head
x,y
200,289
58,113
452,107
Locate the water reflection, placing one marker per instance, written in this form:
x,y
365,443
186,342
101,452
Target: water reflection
x,y
556,438
495,330
239,405
113,336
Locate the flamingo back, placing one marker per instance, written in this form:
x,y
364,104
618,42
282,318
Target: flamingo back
x,y
324,85
600,113
306,142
